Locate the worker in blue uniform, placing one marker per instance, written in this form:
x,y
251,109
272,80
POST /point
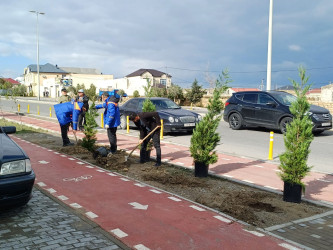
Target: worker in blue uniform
x,y
111,117
68,113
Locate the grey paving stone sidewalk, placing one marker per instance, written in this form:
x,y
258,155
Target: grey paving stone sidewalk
x,y
45,224
315,232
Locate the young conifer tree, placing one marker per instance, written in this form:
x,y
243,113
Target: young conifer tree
x,y
298,137
205,138
90,130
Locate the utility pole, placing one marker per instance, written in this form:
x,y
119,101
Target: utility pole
x,y
38,80
269,52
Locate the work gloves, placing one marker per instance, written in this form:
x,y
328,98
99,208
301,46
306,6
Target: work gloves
x,y
106,126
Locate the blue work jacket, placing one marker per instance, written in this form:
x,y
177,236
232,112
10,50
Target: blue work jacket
x,y
111,112
68,112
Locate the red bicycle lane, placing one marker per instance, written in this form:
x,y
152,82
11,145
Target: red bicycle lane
x,y
139,215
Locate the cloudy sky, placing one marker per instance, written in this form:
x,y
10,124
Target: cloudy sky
x,y
188,39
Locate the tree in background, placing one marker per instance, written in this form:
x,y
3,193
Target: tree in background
x,y
196,93
136,93
175,92
91,92
19,90
298,136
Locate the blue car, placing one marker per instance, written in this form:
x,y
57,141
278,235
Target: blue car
x,y
16,175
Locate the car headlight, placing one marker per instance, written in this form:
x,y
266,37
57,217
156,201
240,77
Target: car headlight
x,y
176,120
171,119
15,167
199,118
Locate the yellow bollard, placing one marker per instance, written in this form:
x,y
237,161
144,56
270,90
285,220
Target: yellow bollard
x,y
127,124
161,136
18,108
191,106
28,111
50,112
102,120
38,110
271,140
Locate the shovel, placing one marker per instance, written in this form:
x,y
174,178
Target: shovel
x,y
126,157
74,135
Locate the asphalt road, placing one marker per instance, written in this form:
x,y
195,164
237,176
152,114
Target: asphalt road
x,y
253,143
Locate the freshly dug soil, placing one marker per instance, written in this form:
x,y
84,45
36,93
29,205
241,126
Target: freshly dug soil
x,y
256,207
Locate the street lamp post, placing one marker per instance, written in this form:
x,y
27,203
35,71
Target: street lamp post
x,y
38,80
269,52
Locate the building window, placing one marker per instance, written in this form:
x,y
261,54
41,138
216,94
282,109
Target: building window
x,y
163,81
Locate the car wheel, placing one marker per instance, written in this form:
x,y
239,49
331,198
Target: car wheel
x,y
283,124
235,121
122,122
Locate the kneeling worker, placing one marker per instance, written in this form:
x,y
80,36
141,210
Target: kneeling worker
x,y
67,114
147,122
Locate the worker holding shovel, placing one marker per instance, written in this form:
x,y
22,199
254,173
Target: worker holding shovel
x,y
147,122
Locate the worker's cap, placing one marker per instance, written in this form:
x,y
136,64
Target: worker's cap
x,y
81,91
64,90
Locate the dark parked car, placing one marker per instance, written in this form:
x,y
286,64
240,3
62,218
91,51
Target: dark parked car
x,y
175,119
269,109
16,175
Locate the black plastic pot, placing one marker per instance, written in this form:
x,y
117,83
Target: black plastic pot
x,y
200,169
292,192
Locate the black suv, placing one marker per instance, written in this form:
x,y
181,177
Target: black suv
x,y
269,109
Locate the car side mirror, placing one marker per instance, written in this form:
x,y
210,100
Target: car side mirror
x,y
271,104
9,129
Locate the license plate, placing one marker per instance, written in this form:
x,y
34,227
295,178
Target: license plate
x,y
189,124
325,124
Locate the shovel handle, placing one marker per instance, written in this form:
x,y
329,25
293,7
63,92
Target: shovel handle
x,y
143,140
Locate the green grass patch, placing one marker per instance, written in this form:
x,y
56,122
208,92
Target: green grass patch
x,y
20,128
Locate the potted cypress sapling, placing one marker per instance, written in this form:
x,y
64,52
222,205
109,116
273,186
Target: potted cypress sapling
x,y
297,140
205,138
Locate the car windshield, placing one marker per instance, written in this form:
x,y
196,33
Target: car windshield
x,y
284,98
165,104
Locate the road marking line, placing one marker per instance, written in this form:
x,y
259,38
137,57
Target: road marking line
x,y
51,190
71,159
89,166
62,197
91,215
63,155
316,236
139,185
230,176
197,208
41,184
179,163
155,191
117,232
100,170
43,162
258,166
57,153
174,198
50,150
166,160
222,219
323,180
226,159
254,233
37,146
111,174
270,187
248,181
277,170
124,179
141,247
287,246
75,205
79,162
